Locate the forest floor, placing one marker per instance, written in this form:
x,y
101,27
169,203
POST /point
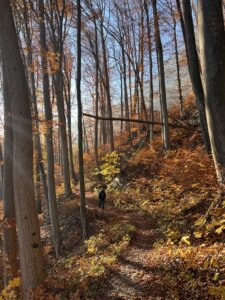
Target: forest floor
x,y
148,267
161,235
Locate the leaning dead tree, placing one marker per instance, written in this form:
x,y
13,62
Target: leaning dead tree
x,y
138,121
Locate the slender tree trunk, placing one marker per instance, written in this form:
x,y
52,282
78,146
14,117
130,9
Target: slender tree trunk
x,y
141,66
38,189
107,87
121,102
182,25
212,53
11,263
72,169
31,261
96,93
161,77
49,134
194,69
126,100
86,145
103,113
151,91
177,62
67,93
63,134
80,130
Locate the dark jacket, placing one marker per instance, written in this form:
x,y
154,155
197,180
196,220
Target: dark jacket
x,y
102,195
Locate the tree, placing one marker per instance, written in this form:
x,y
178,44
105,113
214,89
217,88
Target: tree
x,y
80,129
174,27
9,232
212,54
57,20
49,135
162,84
31,261
194,70
151,91
40,169
101,7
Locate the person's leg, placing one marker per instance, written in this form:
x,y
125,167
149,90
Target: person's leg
x,y
103,204
99,203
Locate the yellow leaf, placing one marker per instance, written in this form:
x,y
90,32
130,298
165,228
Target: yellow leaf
x,y
185,239
198,234
214,263
216,277
220,229
200,221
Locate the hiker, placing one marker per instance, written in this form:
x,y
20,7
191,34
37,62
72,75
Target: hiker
x,y
101,197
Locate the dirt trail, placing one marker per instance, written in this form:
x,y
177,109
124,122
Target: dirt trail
x,y
132,277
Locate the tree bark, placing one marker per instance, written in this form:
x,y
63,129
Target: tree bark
x,y
49,135
194,70
160,60
80,130
212,53
151,91
177,61
40,169
31,260
138,121
11,263
107,85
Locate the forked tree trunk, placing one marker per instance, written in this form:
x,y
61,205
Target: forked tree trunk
x,y
31,260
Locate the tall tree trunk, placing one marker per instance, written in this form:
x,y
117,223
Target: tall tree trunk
x,y
182,25
49,134
212,53
67,92
11,263
194,70
107,86
177,60
86,145
40,169
80,130
161,77
96,93
72,169
31,260
151,91
121,100
58,83
103,113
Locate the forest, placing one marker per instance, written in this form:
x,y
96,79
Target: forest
x,y
112,149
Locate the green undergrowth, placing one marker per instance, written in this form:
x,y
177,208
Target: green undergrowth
x,y
101,252
176,190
